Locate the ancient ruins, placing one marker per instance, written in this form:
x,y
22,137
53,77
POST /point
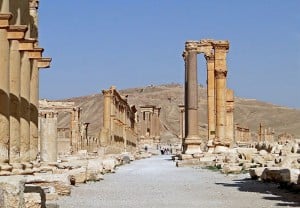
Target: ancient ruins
x,y
149,135
40,160
219,98
119,133
20,61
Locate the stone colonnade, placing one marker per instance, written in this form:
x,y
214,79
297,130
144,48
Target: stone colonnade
x,y
220,108
75,139
20,61
119,118
149,125
242,135
265,134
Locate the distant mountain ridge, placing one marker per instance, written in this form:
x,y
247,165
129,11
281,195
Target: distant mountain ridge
x,y
248,112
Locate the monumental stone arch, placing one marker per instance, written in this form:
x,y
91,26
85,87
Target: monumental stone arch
x,y
220,116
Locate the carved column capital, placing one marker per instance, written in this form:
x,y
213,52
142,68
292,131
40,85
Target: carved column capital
x,y
34,4
221,45
191,46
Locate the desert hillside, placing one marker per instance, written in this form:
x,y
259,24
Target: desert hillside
x,y
248,112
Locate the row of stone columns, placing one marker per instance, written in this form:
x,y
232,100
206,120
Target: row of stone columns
x,y
20,60
49,111
149,125
118,121
219,98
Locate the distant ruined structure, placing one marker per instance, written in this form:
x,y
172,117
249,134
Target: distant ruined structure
x,y
65,140
220,100
119,131
20,61
149,126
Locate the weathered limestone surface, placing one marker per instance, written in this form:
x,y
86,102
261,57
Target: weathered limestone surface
x,y
48,122
220,108
11,191
119,131
149,126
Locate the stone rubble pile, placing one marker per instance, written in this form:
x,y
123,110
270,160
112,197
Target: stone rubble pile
x,y
54,179
268,162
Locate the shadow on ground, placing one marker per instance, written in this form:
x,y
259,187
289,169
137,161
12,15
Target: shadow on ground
x,y
286,197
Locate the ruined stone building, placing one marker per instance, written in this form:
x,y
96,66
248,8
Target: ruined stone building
x,y
242,135
149,134
119,131
220,100
20,61
265,134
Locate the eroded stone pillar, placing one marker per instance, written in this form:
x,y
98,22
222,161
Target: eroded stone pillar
x,y
157,124
181,122
106,117
229,116
192,140
4,83
75,129
220,48
211,111
48,122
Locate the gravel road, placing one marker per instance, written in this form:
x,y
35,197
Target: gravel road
x,y
156,182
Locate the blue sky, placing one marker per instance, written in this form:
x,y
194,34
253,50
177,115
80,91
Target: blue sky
x,y
135,43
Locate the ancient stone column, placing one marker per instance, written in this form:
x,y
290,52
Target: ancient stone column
x,y
34,83
106,116
15,34
124,112
181,121
210,61
4,83
220,48
48,128
25,89
229,116
192,141
75,129
25,108
157,124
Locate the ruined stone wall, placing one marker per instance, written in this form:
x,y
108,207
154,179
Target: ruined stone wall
x,y
149,132
119,130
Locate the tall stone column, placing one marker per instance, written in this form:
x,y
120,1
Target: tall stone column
x,y
34,83
25,108
220,48
211,111
48,122
229,116
181,122
15,34
4,83
34,102
124,112
192,141
106,116
157,124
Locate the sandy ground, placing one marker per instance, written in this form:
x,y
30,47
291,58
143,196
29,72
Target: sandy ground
x,y
156,182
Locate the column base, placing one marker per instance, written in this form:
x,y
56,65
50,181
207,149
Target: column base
x,y
192,145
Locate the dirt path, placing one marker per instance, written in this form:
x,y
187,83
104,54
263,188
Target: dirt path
x,y
156,182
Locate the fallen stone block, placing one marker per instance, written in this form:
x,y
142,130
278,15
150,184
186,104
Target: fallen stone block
x,y
231,168
11,191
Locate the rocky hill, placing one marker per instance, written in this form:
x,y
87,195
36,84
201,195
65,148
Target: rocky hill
x,y
248,112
